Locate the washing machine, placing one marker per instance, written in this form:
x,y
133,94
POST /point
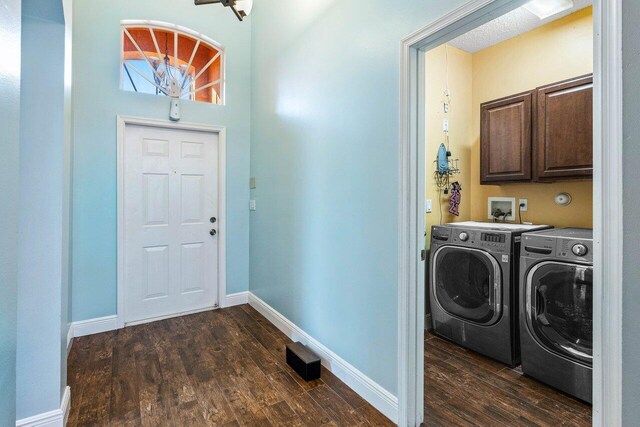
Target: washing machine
x,y
556,320
474,286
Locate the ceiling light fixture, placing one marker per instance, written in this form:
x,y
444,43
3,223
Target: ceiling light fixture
x,y
546,8
241,8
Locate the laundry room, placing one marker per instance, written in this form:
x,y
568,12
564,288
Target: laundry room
x,y
508,208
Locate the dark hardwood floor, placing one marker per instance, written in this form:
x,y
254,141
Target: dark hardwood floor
x,y
227,368
219,368
463,388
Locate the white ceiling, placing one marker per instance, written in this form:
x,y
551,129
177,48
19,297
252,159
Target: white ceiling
x,y
514,23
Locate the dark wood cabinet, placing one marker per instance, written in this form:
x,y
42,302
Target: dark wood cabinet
x,y
542,135
563,132
505,149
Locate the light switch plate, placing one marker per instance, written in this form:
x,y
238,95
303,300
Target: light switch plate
x,y
252,205
428,206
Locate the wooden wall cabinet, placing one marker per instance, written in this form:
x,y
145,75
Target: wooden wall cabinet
x,y
563,132
542,135
505,139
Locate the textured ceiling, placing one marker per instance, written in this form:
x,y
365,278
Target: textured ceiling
x,y
514,23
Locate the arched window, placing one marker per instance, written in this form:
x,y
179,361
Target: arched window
x,y
165,59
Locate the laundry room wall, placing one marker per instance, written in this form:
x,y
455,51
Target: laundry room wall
x,y
458,64
559,50
98,100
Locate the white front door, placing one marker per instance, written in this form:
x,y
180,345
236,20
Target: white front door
x,y
170,213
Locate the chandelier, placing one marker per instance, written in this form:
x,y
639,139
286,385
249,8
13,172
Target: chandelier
x,y
241,8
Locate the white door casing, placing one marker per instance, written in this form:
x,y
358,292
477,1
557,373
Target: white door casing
x,y
169,191
608,224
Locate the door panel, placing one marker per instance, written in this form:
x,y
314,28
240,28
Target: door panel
x,y
560,308
156,199
170,192
467,284
156,272
192,199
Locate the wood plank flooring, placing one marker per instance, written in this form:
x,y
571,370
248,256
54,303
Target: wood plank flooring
x,y
463,388
226,368
219,368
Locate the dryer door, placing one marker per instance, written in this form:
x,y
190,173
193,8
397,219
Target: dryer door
x,y
467,283
559,307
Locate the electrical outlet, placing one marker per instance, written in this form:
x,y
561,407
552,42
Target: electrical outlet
x,y
428,206
252,205
524,204
445,125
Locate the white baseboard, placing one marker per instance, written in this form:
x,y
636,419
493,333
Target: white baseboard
x,y
235,299
371,391
55,418
111,323
94,326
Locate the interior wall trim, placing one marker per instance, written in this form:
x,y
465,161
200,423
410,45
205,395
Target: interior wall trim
x,y
380,398
608,224
69,338
56,418
232,300
92,327
110,323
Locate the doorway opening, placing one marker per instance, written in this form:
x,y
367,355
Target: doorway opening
x,y
504,112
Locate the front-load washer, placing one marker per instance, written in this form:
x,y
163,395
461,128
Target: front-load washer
x,y
556,320
474,286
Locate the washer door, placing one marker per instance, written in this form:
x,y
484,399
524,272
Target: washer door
x,y
559,308
467,283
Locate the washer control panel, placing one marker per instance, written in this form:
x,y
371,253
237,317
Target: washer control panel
x,y
496,241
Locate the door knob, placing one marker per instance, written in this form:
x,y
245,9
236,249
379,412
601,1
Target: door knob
x,y
213,232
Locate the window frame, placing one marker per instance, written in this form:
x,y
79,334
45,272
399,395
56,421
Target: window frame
x,y
180,30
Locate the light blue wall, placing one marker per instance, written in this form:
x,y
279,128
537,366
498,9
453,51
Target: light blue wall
x,y
324,150
98,99
10,34
631,297
40,353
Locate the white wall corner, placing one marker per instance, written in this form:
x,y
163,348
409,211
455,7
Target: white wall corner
x,y
69,338
56,418
372,392
234,299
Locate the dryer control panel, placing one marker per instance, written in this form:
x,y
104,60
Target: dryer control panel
x,y
557,245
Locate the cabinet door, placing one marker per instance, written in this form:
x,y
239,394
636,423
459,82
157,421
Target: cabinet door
x,y
505,139
563,133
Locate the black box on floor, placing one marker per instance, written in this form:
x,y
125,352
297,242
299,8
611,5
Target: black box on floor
x,y
303,361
